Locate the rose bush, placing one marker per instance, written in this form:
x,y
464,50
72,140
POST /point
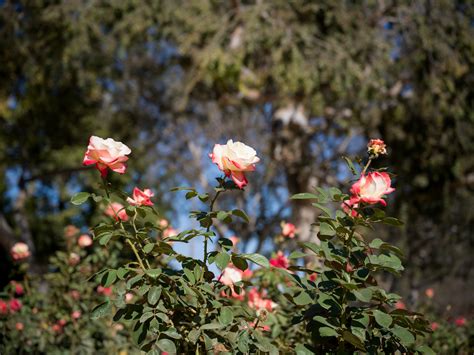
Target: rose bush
x,y
321,298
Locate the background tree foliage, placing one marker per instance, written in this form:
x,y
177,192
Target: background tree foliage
x,y
304,82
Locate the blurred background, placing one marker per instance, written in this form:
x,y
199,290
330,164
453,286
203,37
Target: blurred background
x,y
304,82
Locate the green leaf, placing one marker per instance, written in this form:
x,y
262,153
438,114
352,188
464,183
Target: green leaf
x,y
222,215
222,260
376,243
105,238
327,332
148,248
325,229
406,337
324,321
241,214
350,165
145,316
303,299
392,221
153,273
154,295
193,335
239,262
313,247
190,194
304,196
425,349
80,198
257,259
226,316
323,208
108,278
303,350
352,339
166,345
297,254
101,310
383,319
364,295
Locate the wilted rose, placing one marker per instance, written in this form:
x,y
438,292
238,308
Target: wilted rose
x,y
141,198
376,147
372,187
234,159
106,154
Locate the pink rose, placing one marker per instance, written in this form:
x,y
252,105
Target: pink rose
x,y
70,231
163,223
75,294
313,277
20,251
56,328
128,297
141,198
116,211
372,187
288,229
230,275
350,206
257,301
18,288
106,154
15,305
84,241
234,159
106,291
264,328
19,326
76,315
62,322
247,274
170,232
400,305
3,307
460,321
376,147
434,326
429,293
280,261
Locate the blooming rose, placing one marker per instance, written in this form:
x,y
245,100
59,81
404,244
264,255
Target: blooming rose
x,y
230,275
106,153
19,326
350,206
460,321
128,297
3,307
141,198
116,211
247,274
434,326
372,187
376,147
257,301
84,241
288,229
15,305
400,305
20,251
280,261
56,328
70,231
106,291
76,315
313,277
234,159
75,294
170,232
18,288
429,293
